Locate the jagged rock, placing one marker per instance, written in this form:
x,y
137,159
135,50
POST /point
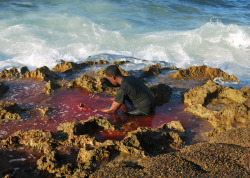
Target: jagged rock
x,y
235,105
152,70
51,162
62,83
173,125
120,62
10,111
44,110
36,139
161,92
50,87
152,141
65,67
3,89
42,73
90,158
11,73
203,73
89,83
97,62
89,126
102,72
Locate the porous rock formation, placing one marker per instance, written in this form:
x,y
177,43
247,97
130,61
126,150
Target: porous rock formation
x,y
11,73
3,89
203,73
10,111
66,67
152,70
102,72
141,143
42,73
228,106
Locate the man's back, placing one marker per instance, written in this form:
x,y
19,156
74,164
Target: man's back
x,y
138,93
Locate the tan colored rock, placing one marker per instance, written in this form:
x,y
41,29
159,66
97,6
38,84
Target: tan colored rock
x,y
120,62
42,73
235,105
89,126
88,83
50,87
65,67
173,125
51,162
161,92
10,111
36,139
152,70
102,72
3,89
203,73
11,73
44,110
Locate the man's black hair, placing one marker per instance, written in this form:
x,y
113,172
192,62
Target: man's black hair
x,y
113,70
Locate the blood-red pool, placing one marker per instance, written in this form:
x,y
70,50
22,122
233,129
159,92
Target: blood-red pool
x,y
64,108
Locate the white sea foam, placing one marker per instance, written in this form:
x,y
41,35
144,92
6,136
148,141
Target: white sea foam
x,y
44,38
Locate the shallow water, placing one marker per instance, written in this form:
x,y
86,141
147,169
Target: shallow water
x,y
64,103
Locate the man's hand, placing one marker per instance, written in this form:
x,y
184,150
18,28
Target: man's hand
x,y
112,109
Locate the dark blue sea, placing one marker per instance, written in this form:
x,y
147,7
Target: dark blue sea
x,y
35,33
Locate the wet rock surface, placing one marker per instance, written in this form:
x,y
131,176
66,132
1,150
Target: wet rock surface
x,y
233,106
203,73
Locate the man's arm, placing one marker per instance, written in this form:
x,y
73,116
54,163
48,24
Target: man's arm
x,y
112,109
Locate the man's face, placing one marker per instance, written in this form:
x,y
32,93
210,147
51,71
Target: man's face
x,y
112,80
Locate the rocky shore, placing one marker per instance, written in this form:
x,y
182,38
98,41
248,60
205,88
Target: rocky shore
x,y
76,148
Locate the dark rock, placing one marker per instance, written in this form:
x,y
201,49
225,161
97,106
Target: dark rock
x,y
3,89
161,92
23,70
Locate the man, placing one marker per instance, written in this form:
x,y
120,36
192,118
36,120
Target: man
x,y
132,90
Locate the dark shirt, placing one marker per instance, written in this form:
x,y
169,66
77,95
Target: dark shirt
x,y
134,90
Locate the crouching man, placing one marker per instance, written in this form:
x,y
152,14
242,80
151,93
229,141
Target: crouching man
x,y
132,92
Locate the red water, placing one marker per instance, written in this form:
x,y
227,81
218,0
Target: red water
x,y
64,108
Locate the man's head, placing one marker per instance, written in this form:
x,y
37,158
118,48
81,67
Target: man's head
x,y
112,73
